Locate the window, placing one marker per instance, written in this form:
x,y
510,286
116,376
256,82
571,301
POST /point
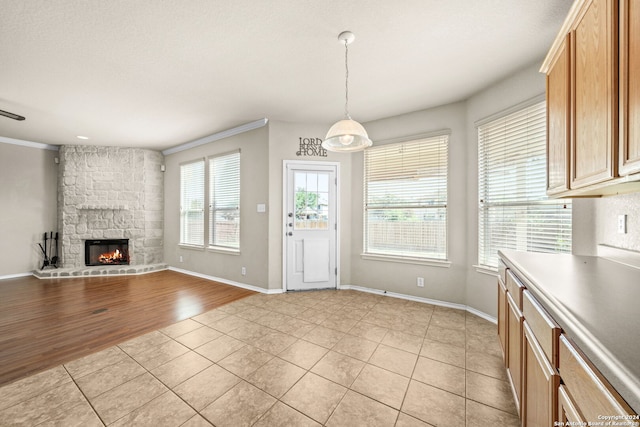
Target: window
x,y
215,184
405,198
192,203
224,201
515,212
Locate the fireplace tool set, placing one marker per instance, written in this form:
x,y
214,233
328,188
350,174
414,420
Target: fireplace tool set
x,y
50,260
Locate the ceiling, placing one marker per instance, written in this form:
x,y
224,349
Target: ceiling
x,y
159,73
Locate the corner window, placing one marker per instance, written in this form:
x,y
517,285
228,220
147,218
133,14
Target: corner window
x,y
514,210
405,199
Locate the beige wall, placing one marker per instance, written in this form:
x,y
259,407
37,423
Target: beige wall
x,y
28,194
254,185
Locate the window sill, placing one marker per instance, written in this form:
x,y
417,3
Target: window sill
x,y
191,247
483,269
221,250
407,260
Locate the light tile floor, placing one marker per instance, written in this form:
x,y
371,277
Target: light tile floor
x,y
334,358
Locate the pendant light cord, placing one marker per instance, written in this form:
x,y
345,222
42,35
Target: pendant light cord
x,y
346,80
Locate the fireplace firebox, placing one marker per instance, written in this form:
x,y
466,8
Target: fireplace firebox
x,y
106,252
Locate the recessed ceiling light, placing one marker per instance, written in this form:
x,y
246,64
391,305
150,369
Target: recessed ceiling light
x,y
82,137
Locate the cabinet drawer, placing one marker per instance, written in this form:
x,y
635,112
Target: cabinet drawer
x,y
515,287
592,394
543,327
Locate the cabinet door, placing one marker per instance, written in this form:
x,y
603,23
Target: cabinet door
x,y
558,121
590,391
594,94
514,348
540,383
502,318
629,87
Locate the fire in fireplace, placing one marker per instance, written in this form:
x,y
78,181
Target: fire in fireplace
x,y
106,252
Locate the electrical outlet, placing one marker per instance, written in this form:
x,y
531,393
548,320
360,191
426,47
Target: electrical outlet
x,y
420,282
180,258
244,271
622,224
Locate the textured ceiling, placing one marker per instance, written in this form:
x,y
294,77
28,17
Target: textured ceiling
x,y
158,73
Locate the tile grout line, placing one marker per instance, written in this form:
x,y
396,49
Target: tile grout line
x,y
84,396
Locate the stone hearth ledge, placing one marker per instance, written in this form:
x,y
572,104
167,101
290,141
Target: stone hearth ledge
x,y
110,270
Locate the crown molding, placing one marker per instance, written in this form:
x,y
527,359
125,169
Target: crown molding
x,y
30,144
217,136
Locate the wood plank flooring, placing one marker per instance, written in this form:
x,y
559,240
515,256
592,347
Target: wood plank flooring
x,y
44,323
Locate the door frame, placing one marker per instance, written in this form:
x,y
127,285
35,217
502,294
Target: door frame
x,y
283,220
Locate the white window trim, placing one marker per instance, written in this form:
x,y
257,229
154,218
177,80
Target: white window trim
x,y
434,262
208,211
431,262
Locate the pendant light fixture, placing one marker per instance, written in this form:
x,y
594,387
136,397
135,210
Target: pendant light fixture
x,y
346,135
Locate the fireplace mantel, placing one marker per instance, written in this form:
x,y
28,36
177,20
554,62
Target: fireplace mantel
x,y
102,207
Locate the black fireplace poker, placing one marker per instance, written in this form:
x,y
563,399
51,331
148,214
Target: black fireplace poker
x,y
53,261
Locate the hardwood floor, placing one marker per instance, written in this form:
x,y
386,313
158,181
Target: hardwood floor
x,y
44,323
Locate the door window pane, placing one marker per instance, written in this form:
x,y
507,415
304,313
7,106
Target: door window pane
x,y
312,200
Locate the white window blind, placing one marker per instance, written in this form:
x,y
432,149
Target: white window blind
x,y
514,211
224,200
405,197
192,203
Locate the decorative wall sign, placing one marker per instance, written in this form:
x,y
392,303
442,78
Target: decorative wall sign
x,y
311,147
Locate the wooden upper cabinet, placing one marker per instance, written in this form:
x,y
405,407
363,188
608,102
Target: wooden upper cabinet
x,y
599,45
629,87
594,87
558,120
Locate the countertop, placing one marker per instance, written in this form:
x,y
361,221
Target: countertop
x,y
595,301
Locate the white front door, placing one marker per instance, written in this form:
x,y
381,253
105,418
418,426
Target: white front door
x,y
310,226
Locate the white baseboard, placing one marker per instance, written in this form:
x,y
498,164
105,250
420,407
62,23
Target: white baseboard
x,y
15,276
345,287
228,282
423,300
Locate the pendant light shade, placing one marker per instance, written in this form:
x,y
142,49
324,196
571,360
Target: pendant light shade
x,y
346,135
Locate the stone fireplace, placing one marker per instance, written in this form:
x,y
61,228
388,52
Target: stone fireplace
x,y
110,193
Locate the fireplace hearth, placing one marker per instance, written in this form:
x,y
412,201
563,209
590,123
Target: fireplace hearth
x,y
106,252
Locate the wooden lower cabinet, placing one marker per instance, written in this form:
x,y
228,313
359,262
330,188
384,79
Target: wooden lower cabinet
x,y
514,349
553,381
502,318
568,414
591,393
540,383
